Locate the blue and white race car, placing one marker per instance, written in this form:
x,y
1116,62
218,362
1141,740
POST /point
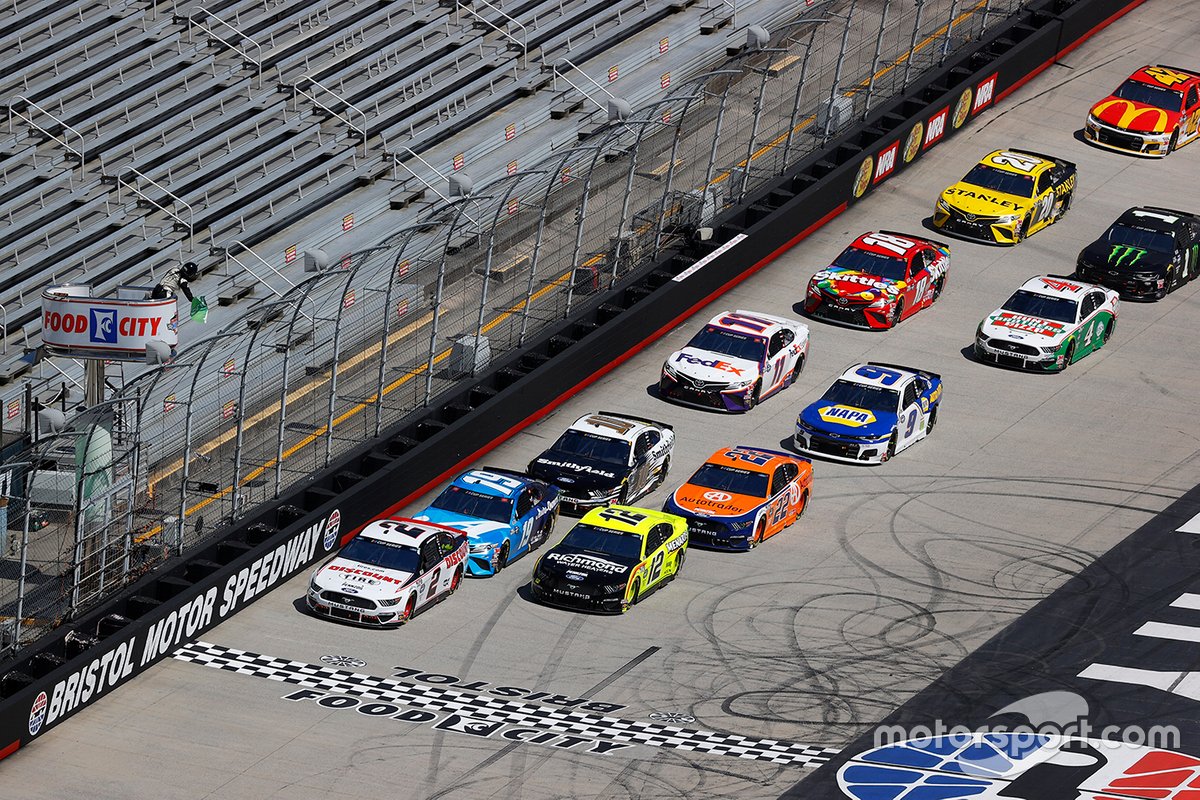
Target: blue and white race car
x,y
870,413
504,514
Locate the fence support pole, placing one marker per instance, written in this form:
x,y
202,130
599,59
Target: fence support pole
x,y
875,60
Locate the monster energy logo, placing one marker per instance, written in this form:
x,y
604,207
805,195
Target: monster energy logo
x,y
1121,251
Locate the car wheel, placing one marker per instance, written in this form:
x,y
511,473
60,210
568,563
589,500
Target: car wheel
x,y
803,505
1020,234
633,599
1070,355
678,563
502,558
1108,329
938,287
548,528
410,608
1066,205
662,473
759,529
899,312
1171,145
752,398
932,421
455,581
891,448
623,495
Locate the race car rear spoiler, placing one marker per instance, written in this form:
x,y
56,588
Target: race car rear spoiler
x,y
921,238
1062,162
758,449
623,415
1188,214
924,372
1191,72
511,473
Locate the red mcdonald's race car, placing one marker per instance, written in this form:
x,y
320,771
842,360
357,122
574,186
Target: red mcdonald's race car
x,y
1155,111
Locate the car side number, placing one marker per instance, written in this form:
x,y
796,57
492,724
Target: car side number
x,y
526,532
656,564
1041,211
912,423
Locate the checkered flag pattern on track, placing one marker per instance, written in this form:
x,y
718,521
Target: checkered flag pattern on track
x,y
500,710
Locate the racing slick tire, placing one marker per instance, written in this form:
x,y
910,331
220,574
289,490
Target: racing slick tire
x,y
1020,233
547,529
455,581
637,595
800,511
891,448
932,420
502,558
1070,355
1066,206
662,474
899,312
1108,329
410,608
752,398
760,528
1174,142
623,495
678,564
939,286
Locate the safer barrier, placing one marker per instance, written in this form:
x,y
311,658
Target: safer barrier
x,y
83,661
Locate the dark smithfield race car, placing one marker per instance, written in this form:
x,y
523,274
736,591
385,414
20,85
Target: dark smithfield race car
x,y
1145,254
606,458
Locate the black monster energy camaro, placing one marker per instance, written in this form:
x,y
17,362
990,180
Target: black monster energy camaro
x,y
1146,253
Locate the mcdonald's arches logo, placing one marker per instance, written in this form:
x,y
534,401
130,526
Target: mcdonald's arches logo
x,y
1128,115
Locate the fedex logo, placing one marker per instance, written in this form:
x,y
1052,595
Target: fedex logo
x,y
723,366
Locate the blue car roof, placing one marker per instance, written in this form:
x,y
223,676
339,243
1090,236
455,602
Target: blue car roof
x,y
485,482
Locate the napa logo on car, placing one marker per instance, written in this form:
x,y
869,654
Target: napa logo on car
x,y
846,415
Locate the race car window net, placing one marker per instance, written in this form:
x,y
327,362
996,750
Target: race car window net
x,y
1158,96
458,500
592,446
738,345
620,545
1140,237
1059,309
1000,181
889,267
860,395
731,479
399,557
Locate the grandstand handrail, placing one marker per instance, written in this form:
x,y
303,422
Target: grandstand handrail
x,y
80,153
257,62
189,223
361,131
398,163
524,31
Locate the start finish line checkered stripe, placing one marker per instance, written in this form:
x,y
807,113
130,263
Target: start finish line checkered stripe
x,y
501,710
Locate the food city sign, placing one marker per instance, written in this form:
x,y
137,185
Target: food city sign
x,y
78,325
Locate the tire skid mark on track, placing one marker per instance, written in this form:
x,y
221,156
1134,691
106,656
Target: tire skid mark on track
x,y
501,710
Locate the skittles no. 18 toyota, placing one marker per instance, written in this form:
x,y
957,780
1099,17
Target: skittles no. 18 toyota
x,y
880,279
738,359
1019,766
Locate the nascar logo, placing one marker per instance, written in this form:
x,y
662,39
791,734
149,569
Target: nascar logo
x,y
846,415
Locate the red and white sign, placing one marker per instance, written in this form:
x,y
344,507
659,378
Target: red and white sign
x,y
613,73
512,168
664,45
348,299
77,325
229,369
885,164
935,129
510,131
289,253
14,408
402,308
985,94
229,409
665,80
460,161
169,404
514,204
347,222
402,268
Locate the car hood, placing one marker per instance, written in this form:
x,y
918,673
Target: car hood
x,y
848,420
712,367
582,565
572,472
1136,117
1124,259
359,579
706,502
478,531
1014,327
983,202
852,284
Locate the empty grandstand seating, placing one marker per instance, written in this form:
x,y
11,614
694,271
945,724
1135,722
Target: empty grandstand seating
x,y
136,129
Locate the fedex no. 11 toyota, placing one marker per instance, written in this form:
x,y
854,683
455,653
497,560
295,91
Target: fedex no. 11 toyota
x,y
738,359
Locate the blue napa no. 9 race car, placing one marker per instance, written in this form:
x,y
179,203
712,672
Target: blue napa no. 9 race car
x,y
870,413
504,514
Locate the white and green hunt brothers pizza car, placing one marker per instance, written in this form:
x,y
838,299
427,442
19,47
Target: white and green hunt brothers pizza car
x,y
1048,324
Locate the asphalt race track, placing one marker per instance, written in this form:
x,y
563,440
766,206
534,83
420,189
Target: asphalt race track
x,y
749,670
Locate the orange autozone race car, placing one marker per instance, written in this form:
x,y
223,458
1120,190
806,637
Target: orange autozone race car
x,y
1155,110
741,496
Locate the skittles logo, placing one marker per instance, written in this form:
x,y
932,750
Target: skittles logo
x,y
846,415
1018,766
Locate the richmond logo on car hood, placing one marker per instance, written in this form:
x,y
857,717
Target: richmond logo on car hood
x,y
585,562
1012,326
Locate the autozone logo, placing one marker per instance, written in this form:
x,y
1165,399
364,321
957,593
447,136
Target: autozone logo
x,y
723,366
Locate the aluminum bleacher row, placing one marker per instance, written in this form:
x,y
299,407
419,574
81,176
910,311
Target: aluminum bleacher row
x,y
146,133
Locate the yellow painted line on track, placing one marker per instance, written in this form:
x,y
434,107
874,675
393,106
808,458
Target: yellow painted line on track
x,y
368,352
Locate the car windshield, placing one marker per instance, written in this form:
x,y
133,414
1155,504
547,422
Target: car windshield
x,y
1000,181
377,553
890,267
1059,309
738,345
731,479
458,500
1158,96
1141,237
859,395
593,446
623,546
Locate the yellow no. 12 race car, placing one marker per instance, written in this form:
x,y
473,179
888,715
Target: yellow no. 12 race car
x,y
1009,195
